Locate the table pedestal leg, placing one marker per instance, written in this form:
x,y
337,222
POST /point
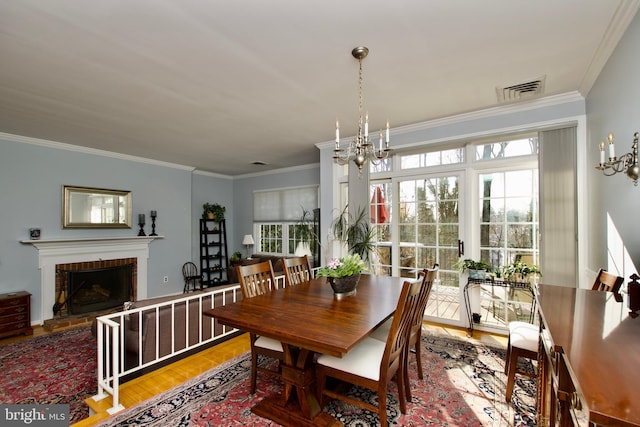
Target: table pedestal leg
x,y
297,405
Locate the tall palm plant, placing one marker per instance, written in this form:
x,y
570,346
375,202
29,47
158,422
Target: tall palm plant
x,y
356,233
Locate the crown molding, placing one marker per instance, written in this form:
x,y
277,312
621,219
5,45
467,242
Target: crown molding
x,y
619,23
521,106
87,150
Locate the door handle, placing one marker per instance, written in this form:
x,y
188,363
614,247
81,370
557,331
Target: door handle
x,y
460,248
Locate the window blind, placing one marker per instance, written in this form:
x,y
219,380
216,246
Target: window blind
x,y
284,204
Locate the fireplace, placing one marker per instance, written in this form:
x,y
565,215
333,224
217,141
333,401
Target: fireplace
x,y
94,290
94,286
89,253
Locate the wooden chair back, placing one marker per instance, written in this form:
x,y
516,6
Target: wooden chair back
x,y
191,276
607,282
256,279
297,270
395,350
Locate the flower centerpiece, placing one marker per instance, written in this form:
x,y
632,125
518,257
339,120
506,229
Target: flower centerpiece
x,y
343,273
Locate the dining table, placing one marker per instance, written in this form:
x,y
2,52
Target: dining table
x,y
309,319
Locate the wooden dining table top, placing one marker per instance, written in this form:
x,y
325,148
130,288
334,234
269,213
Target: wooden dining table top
x,y
309,316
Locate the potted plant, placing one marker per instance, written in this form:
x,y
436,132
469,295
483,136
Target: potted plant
x,y
236,256
519,271
305,235
477,269
213,211
356,233
343,273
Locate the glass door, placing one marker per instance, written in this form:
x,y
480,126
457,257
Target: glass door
x,y
429,219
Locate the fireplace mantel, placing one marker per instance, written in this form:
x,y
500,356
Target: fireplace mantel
x,y
84,241
61,251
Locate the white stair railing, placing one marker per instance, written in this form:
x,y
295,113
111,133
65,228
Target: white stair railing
x,y
112,335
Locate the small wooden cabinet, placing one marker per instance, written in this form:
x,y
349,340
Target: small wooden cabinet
x,y
15,314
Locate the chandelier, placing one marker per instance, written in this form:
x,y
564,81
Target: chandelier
x,y
627,163
361,148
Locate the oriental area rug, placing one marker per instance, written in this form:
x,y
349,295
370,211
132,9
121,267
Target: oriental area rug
x,y
463,385
58,368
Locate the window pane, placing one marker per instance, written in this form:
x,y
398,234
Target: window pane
x,y
499,150
427,234
508,215
433,158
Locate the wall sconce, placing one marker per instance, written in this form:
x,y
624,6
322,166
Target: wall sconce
x,y
248,241
627,163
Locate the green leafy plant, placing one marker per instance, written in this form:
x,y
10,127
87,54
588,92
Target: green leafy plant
x,y
469,264
236,256
216,211
341,267
304,230
356,233
518,270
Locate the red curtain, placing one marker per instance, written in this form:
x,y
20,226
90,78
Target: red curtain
x,y
377,209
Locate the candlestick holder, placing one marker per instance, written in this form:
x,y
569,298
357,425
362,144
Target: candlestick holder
x,y
141,232
154,214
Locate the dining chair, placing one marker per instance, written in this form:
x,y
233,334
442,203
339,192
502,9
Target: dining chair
x,y
372,363
191,277
413,344
523,337
258,279
523,342
297,270
608,282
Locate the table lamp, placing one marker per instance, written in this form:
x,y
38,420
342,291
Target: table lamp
x,y
248,241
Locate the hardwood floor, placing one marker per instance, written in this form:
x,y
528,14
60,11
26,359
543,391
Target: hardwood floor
x,y
140,389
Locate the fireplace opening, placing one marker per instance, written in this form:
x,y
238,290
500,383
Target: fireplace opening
x,y
99,289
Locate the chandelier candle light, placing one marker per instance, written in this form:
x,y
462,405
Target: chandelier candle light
x,y
361,148
627,163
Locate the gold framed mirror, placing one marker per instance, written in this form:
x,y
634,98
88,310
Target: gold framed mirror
x,y
86,207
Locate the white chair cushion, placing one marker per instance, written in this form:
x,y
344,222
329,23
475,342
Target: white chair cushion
x,y
524,335
363,360
269,343
382,332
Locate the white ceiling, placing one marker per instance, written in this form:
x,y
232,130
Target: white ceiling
x,y
217,85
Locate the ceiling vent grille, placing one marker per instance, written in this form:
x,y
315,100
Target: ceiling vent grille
x,y
521,91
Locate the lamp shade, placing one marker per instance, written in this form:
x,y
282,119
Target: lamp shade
x,y
247,240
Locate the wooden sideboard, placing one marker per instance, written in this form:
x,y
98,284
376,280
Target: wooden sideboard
x,y
15,314
589,359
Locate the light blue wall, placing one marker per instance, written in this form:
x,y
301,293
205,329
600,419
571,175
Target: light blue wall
x,y
613,105
32,177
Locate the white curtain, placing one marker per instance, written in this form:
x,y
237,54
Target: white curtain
x,y
558,225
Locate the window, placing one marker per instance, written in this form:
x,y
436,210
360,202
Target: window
x,y
510,148
277,215
270,238
508,216
433,158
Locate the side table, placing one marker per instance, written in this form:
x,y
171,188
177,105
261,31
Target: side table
x,y
471,283
15,314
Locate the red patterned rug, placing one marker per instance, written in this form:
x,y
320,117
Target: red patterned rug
x,y
58,368
463,386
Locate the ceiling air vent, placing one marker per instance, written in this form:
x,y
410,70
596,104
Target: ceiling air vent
x,y
521,90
